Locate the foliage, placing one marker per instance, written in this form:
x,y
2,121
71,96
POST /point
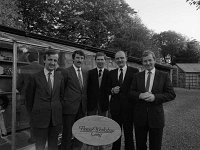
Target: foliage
x,y
83,21
133,37
194,2
177,47
190,53
108,24
9,14
170,43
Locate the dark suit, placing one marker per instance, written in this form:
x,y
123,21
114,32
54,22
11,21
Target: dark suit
x,y
46,109
98,96
121,108
74,103
149,116
24,76
23,79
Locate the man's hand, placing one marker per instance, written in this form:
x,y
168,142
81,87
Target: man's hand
x,y
147,96
115,90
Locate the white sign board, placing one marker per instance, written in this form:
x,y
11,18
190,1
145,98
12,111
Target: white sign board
x,y
96,130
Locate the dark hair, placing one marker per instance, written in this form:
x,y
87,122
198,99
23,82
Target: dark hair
x,y
80,52
32,56
100,54
50,52
147,53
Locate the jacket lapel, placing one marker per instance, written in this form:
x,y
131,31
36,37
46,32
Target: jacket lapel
x,y
74,77
116,76
55,83
84,79
96,76
156,80
103,77
126,75
142,81
43,80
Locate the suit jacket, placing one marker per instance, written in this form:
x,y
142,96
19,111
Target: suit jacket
x,y
98,94
24,76
43,105
74,95
121,101
151,112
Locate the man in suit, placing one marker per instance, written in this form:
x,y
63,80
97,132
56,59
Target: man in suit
x,y
74,104
149,90
98,88
24,78
45,93
121,108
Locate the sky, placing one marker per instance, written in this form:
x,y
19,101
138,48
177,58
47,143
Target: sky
x,y
164,15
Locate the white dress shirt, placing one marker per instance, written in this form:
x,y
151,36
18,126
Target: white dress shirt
x,y
124,71
101,71
100,78
76,69
51,76
151,79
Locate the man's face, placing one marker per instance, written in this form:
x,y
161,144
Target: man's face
x,y
51,62
148,62
78,60
120,59
100,61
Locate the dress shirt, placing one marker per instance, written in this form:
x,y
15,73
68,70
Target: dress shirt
x,y
124,71
76,69
151,79
100,78
51,76
101,71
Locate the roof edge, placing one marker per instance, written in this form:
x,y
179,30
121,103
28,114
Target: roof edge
x,y
69,43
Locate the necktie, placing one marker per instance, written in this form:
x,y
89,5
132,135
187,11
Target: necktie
x,y
121,77
79,78
100,71
148,81
49,82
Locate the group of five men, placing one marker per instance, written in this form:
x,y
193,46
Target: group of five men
x,y
62,97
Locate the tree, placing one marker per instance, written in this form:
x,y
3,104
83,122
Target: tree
x,y
170,43
9,15
194,2
190,53
108,24
83,21
133,37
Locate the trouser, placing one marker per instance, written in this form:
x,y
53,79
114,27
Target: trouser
x,y
125,120
68,121
155,138
43,135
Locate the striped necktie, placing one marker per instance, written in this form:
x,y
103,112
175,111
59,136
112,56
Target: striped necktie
x,y
49,82
148,81
79,78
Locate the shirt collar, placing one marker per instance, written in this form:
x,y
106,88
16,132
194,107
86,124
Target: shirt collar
x,y
100,69
76,68
152,71
47,71
124,68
